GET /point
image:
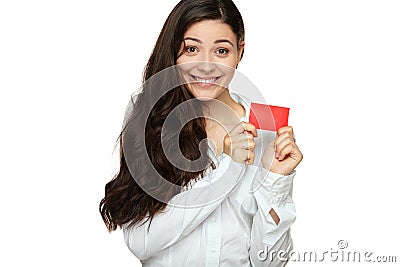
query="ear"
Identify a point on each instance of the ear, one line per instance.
(240, 54)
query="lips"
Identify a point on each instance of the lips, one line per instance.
(206, 80)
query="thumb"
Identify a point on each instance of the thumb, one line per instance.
(244, 126)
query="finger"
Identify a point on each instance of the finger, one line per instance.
(243, 140)
(244, 156)
(238, 129)
(284, 137)
(250, 145)
(246, 145)
(291, 150)
(285, 129)
(242, 127)
(282, 152)
(281, 144)
(244, 137)
(250, 158)
(250, 128)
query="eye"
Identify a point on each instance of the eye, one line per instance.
(222, 51)
(191, 49)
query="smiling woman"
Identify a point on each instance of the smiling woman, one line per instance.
(204, 41)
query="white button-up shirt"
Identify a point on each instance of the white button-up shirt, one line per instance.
(223, 219)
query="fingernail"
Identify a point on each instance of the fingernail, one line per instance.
(276, 155)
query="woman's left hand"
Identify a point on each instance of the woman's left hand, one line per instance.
(282, 155)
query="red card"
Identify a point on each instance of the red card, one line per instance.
(267, 117)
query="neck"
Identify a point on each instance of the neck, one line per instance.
(224, 108)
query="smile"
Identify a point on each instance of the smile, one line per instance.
(204, 80)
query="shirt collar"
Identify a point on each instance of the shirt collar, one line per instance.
(244, 101)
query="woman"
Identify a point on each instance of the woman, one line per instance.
(188, 220)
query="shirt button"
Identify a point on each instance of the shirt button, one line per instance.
(213, 219)
(214, 250)
(274, 194)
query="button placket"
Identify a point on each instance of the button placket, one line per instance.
(214, 238)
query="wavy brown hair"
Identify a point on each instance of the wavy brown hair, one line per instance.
(125, 200)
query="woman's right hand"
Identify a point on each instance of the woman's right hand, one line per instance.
(239, 143)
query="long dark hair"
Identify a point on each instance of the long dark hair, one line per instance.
(125, 200)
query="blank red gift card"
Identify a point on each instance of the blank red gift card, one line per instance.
(267, 117)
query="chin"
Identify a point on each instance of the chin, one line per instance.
(206, 94)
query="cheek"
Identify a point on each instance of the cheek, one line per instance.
(231, 60)
(183, 66)
(181, 59)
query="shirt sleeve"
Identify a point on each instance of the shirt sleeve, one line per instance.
(184, 213)
(272, 191)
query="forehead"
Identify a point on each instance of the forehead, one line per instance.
(210, 30)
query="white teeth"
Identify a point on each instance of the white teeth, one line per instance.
(204, 80)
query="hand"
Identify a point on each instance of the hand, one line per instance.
(239, 143)
(282, 155)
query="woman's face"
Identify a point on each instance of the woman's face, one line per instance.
(209, 56)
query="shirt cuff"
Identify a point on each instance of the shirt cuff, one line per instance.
(280, 186)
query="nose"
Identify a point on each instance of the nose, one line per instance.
(206, 66)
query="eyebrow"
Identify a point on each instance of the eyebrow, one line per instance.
(216, 41)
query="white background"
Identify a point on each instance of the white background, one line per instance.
(67, 69)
